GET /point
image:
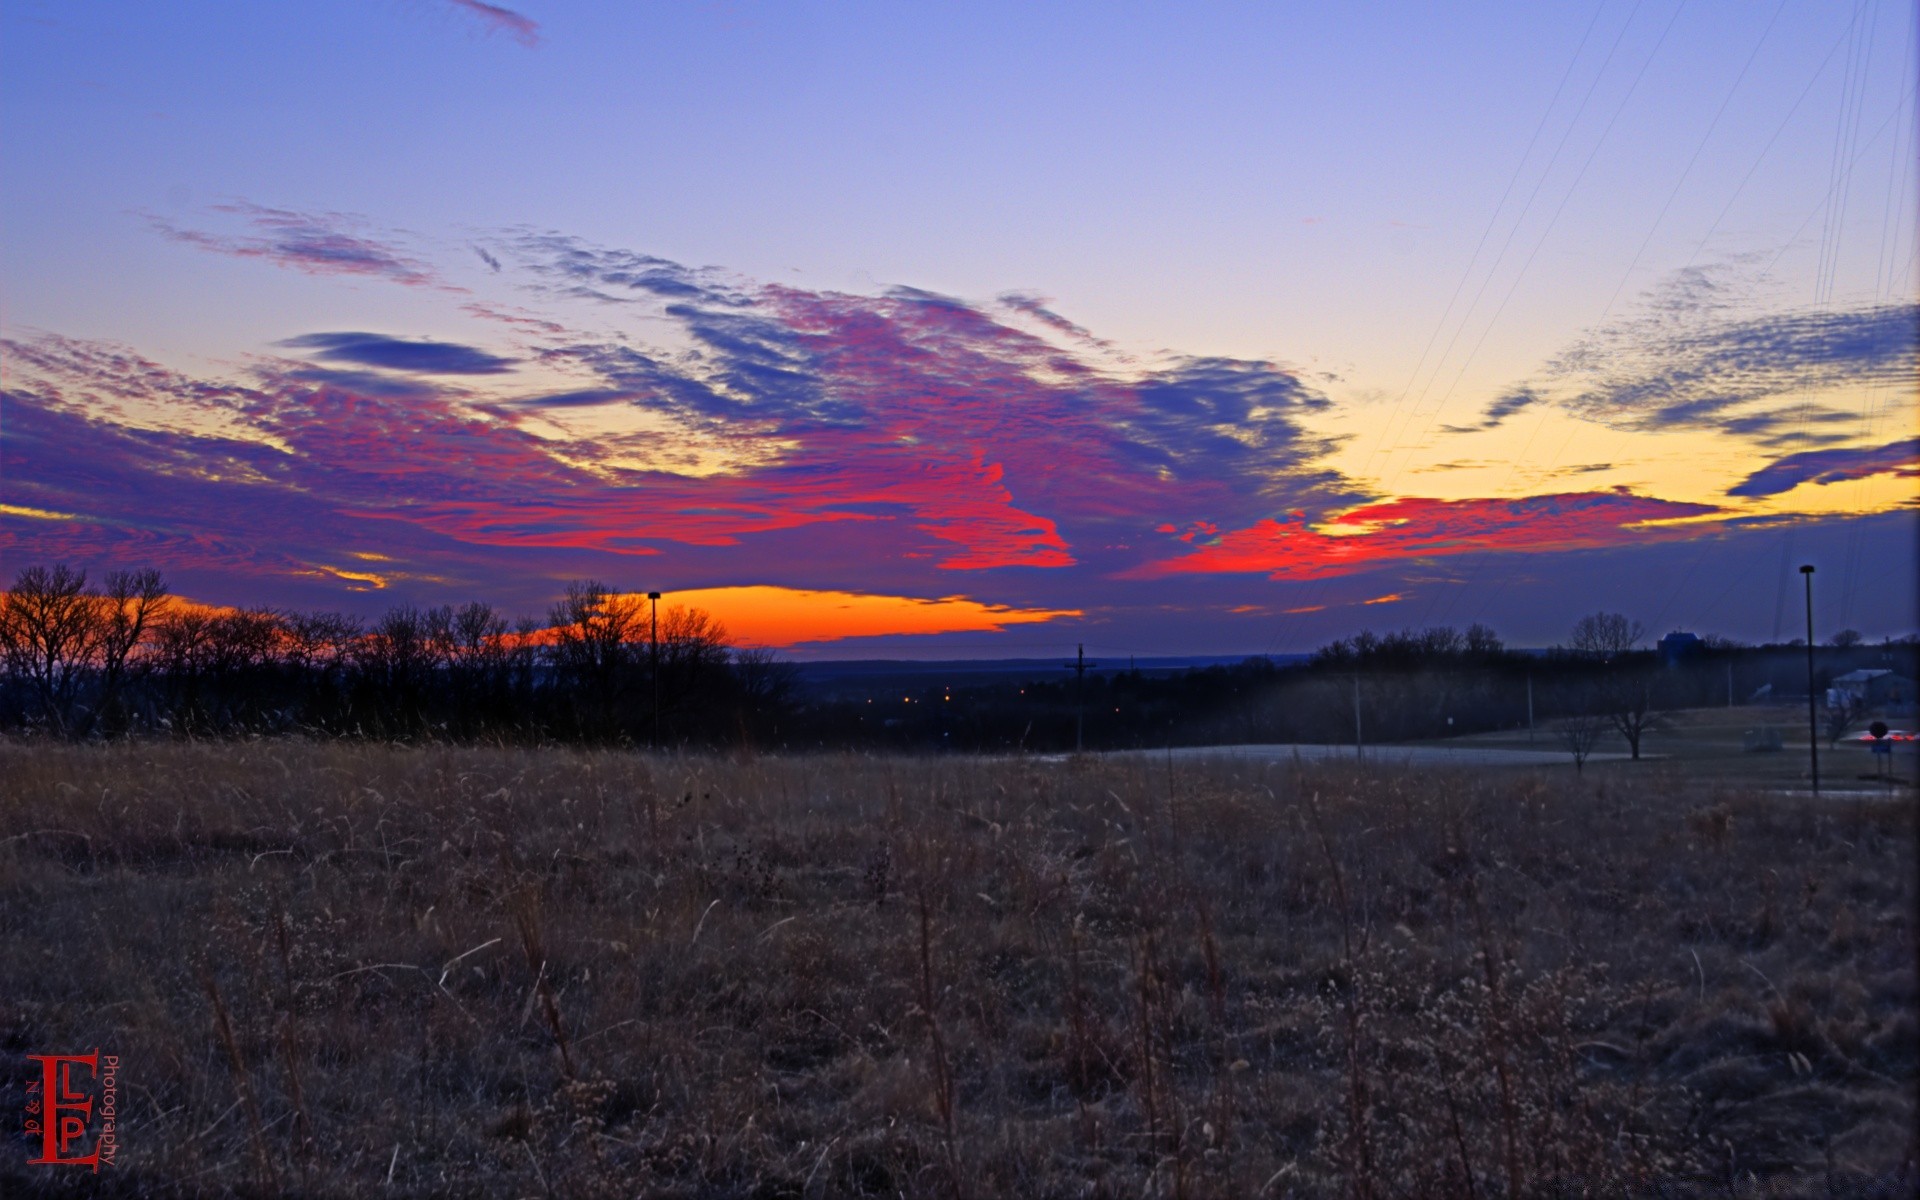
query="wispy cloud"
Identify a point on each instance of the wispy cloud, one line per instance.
(1831, 466)
(503, 20)
(1748, 377)
(314, 243)
(1697, 356)
(1513, 402)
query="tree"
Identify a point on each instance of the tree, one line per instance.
(1578, 735)
(594, 636)
(1627, 700)
(1842, 709)
(1483, 642)
(50, 633)
(210, 663)
(1846, 638)
(693, 661)
(132, 603)
(1624, 692)
(398, 658)
(1605, 636)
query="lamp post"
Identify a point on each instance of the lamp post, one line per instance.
(1813, 720)
(653, 598)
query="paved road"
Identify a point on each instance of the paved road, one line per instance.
(1419, 756)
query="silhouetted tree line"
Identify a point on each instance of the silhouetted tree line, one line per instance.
(125, 657)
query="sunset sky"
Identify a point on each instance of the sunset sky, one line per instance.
(947, 330)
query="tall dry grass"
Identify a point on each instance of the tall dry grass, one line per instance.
(355, 970)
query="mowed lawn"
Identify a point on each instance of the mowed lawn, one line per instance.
(346, 970)
(1710, 745)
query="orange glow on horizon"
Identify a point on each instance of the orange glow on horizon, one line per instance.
(765, 615)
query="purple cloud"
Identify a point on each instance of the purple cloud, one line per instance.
(808, 438)
(400, 354)
(504, 20)
(315, 243)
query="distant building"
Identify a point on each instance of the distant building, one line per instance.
(1876, 688)
(1678, 646)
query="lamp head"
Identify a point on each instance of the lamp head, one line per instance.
(656, 595)
(1806, 570)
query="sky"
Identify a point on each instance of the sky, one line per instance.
(980, 330)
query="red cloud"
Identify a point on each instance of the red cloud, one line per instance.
(1415, 527)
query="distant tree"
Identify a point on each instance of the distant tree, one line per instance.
(129, 607)
(1604, 636)
(1839, 713)
(397, 660)
(1482, 641)
(1578, 734)
(53, 630)
(477, 654)
(1624, 693)
(597, 636)
(693, 662)
(319, 649)
(1846, 638)
(212, 665)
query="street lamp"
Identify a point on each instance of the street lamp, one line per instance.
(654, 599)
(1813, 721)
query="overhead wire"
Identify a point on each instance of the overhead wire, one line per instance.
(1319, 590)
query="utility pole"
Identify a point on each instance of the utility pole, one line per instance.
(1079, 667)
(654, 599)
(1729, 683)
(1358, 750)
(1813, 720)
(1529, 708)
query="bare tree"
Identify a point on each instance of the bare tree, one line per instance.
(1604, 636)
(1483, 642)
(1846, 638)
(1625, 693)
(50, 633)
(693, 658)
(595, 631)
(1578, 735)
(1842, 709)
(132, 603)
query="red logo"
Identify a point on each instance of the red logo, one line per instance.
(73, 1107)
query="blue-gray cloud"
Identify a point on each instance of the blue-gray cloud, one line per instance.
(400, 354)
(1831, 466)
(1516, 400)
(575, 267)
(582, 398)
(1748, 376)
(1696, 355)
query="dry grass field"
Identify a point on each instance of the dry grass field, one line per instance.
(352, 970)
